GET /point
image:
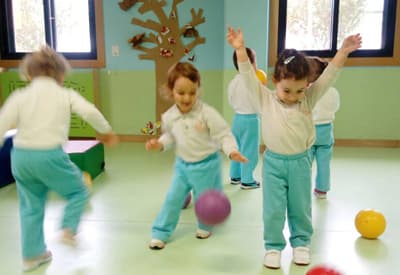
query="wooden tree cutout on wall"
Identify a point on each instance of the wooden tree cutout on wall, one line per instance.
(169, 39)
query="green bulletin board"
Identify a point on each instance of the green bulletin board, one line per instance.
(81, 82)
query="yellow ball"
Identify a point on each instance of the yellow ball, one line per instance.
(370, 223)
(262, 76)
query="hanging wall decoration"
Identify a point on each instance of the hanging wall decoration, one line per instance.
(127, 4)
(167, 42)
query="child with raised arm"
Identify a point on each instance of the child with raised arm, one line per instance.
(245, 127)
(323, 116)
(197, 131)
(41, 113)
(288, 133)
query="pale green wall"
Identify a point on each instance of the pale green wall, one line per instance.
(369, 103)
(128, 99)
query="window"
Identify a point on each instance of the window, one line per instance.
(318, 27)
(73, 28)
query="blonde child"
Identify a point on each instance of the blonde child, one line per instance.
(197, 131)
(245, 127)
(288, 133)
(41, 112)
(323, 116)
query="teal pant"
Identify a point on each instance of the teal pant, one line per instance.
(196, 176)
(286, 189)
(36, 172)
(245, 128)
(322, 151)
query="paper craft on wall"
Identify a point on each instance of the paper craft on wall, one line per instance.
(167, 42)
(127, 4)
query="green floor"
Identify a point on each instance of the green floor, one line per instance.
(115, 229)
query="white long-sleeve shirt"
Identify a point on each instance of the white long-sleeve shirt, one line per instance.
(197, 134)
(326, 107)
(241, 101)
(287, 129)
(41, 112)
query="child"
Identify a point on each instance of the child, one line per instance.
(197, 131)
(323, 116)
(41, 112)
(288, 134)
(245, 127)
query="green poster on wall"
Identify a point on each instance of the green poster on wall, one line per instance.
(81, 82)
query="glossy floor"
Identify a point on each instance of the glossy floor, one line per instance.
(115, 229)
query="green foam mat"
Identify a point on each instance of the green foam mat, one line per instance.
(88, 155)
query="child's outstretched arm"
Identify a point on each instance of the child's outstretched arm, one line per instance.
(236, 40)
(153, 144)
(109, 139)
(350, 44)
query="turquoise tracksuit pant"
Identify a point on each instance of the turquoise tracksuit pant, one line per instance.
(245, 128)
(36, 172)
(286, 190)
(196, 176)
(322, 151)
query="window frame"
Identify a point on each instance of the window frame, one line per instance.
(98, 60)
(361, 58)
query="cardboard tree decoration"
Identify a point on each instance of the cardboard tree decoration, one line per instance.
(168, 40)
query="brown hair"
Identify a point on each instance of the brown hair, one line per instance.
(45, 62)
(317, 66)
(291, 64)
(180, 69)
(251, 54)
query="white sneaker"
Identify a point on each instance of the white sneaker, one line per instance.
(29, 265)
(156, 244)
(272, 259)
(202, 234)
(320, 194)
(301, 255)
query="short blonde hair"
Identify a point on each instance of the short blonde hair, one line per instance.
(45, 62)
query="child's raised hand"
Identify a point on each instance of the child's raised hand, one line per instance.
(237, 156)
(351, 43)
(153, 144)
(235, 37)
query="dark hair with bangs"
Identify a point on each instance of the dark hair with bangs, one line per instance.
(291, 64)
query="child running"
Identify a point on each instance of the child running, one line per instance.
(41, 113)
(198, 132)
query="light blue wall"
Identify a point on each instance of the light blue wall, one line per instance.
(118, 29)
(252, 18)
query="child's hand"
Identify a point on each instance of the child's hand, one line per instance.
(351, 43)
(154, 144)
(109, 139)
(235, 38)
(237, 156)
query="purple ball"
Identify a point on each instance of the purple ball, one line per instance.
(187, 201)
(212, 207)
